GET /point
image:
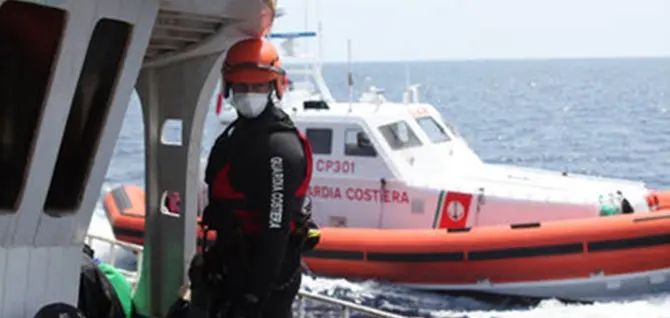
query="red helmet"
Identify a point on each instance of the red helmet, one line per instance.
(253, 61)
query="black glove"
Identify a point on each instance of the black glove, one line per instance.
(247, 306)
(88, 250)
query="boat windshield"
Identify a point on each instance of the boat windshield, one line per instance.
(452, 128)
(433, 129)
(399, 135)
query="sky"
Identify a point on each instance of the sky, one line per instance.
(405, 30)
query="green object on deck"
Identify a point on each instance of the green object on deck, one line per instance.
(608, 206)
(121, 286)
(607, 210)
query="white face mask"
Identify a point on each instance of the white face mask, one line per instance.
(250, 105)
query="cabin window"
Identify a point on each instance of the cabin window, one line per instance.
(321, 140)
(436, 133)
(452, 128)
(30, 36)
(399, 135)
(357, 143)
(88, 114)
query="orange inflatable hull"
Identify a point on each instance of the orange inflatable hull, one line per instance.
(502, 254)
(573, 249)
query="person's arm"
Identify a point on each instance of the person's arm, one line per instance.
(211, 214)
(281, 173)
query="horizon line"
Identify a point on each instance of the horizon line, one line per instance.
(500, 59)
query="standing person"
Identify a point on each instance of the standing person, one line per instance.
(258, 173)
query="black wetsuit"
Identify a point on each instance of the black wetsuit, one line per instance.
(257, 176)
(97, 296)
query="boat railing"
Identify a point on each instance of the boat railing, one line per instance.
(304, 300)
(346, 308)
(110, 257)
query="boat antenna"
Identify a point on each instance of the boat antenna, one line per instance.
(306, 21)
(350, 76)
(406, 98)
(319, 52)
(407, 75)
(306, 14)
(319, 36)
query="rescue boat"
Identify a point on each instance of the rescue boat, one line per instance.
(402, 198)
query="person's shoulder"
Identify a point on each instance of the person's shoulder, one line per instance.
(289, 134)
(285, 143)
